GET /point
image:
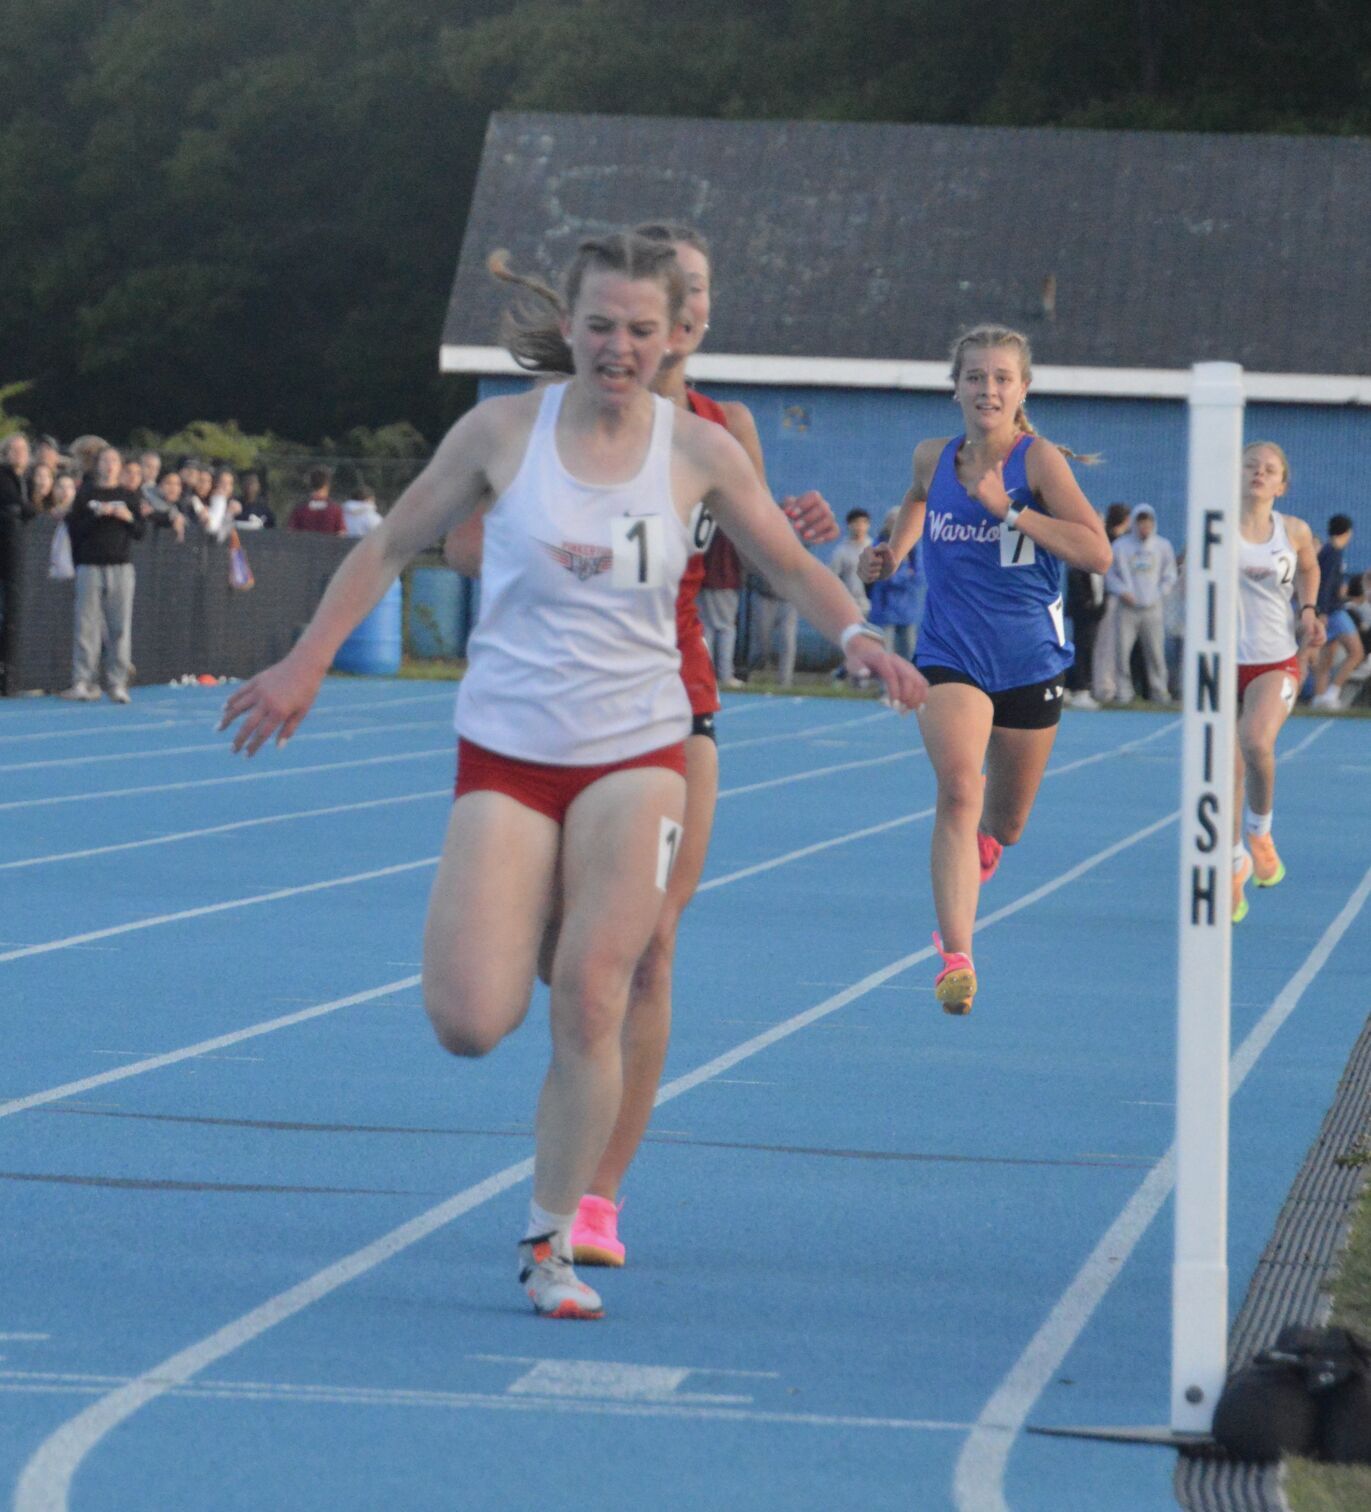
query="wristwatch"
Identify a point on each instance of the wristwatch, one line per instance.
(1011, 515)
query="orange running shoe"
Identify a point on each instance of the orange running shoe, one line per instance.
(1267, 866)
(955, 985)
(595, 1234)
(1242, 870)
(990, 850)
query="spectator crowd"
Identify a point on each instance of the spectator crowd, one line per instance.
(106, 499)
(1127, 623)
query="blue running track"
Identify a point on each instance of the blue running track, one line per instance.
(259, 1230)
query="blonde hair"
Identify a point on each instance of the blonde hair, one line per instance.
(1285, 461)
(988, 335)
(531, 330)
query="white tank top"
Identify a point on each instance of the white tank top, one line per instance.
(573, 660)
(1266, 582)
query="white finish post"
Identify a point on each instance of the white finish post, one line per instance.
(1199, 1316)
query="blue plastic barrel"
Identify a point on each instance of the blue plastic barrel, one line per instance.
(374, 646)
(435, 612)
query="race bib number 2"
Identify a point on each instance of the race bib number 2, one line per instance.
(639, 546)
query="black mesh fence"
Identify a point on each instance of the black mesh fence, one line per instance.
(186, 617)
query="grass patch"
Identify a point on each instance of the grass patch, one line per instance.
(1310, 1485)
(436, 669)
(1313, 1487)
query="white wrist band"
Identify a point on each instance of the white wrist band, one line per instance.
(859, 628)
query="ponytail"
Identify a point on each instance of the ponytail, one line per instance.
(531, 332)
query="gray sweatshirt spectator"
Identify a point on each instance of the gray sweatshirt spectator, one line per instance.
(846, 555)
(1142, 574)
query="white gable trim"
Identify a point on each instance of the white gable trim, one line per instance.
(878, 373)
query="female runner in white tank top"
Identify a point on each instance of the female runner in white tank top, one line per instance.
(574, 682)
(1276, 562)
(595, 1236)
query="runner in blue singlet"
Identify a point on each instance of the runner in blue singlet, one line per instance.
(998, 511)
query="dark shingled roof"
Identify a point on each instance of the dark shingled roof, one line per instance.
(881, 241)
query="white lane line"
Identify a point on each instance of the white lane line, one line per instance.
(45, 947)
(224, 829)
(831, 727)
(104, 729)
(266, 774)
(221, 745)
(756, 702)
(978, 1482)
(204, 1047)
(925, 813)
(842, 766)
(443, 792)
(1308, 740)
(117, 724)
(47, 1477)
(39, 1382)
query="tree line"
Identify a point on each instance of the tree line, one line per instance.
(251, 209)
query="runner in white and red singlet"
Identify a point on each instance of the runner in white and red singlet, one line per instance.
(647, 1026)
(572, 717)
(1277, 565)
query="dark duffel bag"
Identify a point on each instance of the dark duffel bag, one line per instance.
(1309, 1394)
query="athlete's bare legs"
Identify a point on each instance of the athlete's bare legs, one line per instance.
(1014, 767)
(647, 1026)
(486, 915)
(611, 852)
(955, 724)
(1265, 708)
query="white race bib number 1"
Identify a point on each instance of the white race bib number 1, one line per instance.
(639, 546)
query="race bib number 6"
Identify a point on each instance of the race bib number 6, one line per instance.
(639, 547)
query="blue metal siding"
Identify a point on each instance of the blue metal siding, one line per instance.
(855, 446)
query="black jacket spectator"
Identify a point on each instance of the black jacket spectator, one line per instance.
(14, 494)
(15, 504)
(100, 540)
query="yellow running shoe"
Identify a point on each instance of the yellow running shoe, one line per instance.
(955, 985)
(1267, 866)
(1242, 870)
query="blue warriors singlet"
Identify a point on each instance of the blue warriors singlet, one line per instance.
(994, 608)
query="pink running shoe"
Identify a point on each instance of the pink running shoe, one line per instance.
(595, 1234)
(955, 985)
(990, 850)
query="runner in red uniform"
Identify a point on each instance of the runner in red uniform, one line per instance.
(647, 1026)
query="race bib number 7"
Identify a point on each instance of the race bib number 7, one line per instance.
(1016, 549)
(639, 546)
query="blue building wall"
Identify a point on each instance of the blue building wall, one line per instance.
(855, 446)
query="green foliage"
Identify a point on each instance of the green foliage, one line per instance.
(215, 441)
(399, 440)
(240, 207)
(11, 423)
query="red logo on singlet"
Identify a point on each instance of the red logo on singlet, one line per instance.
(583, 561)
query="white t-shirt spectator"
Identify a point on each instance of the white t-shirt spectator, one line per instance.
(360, 516)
